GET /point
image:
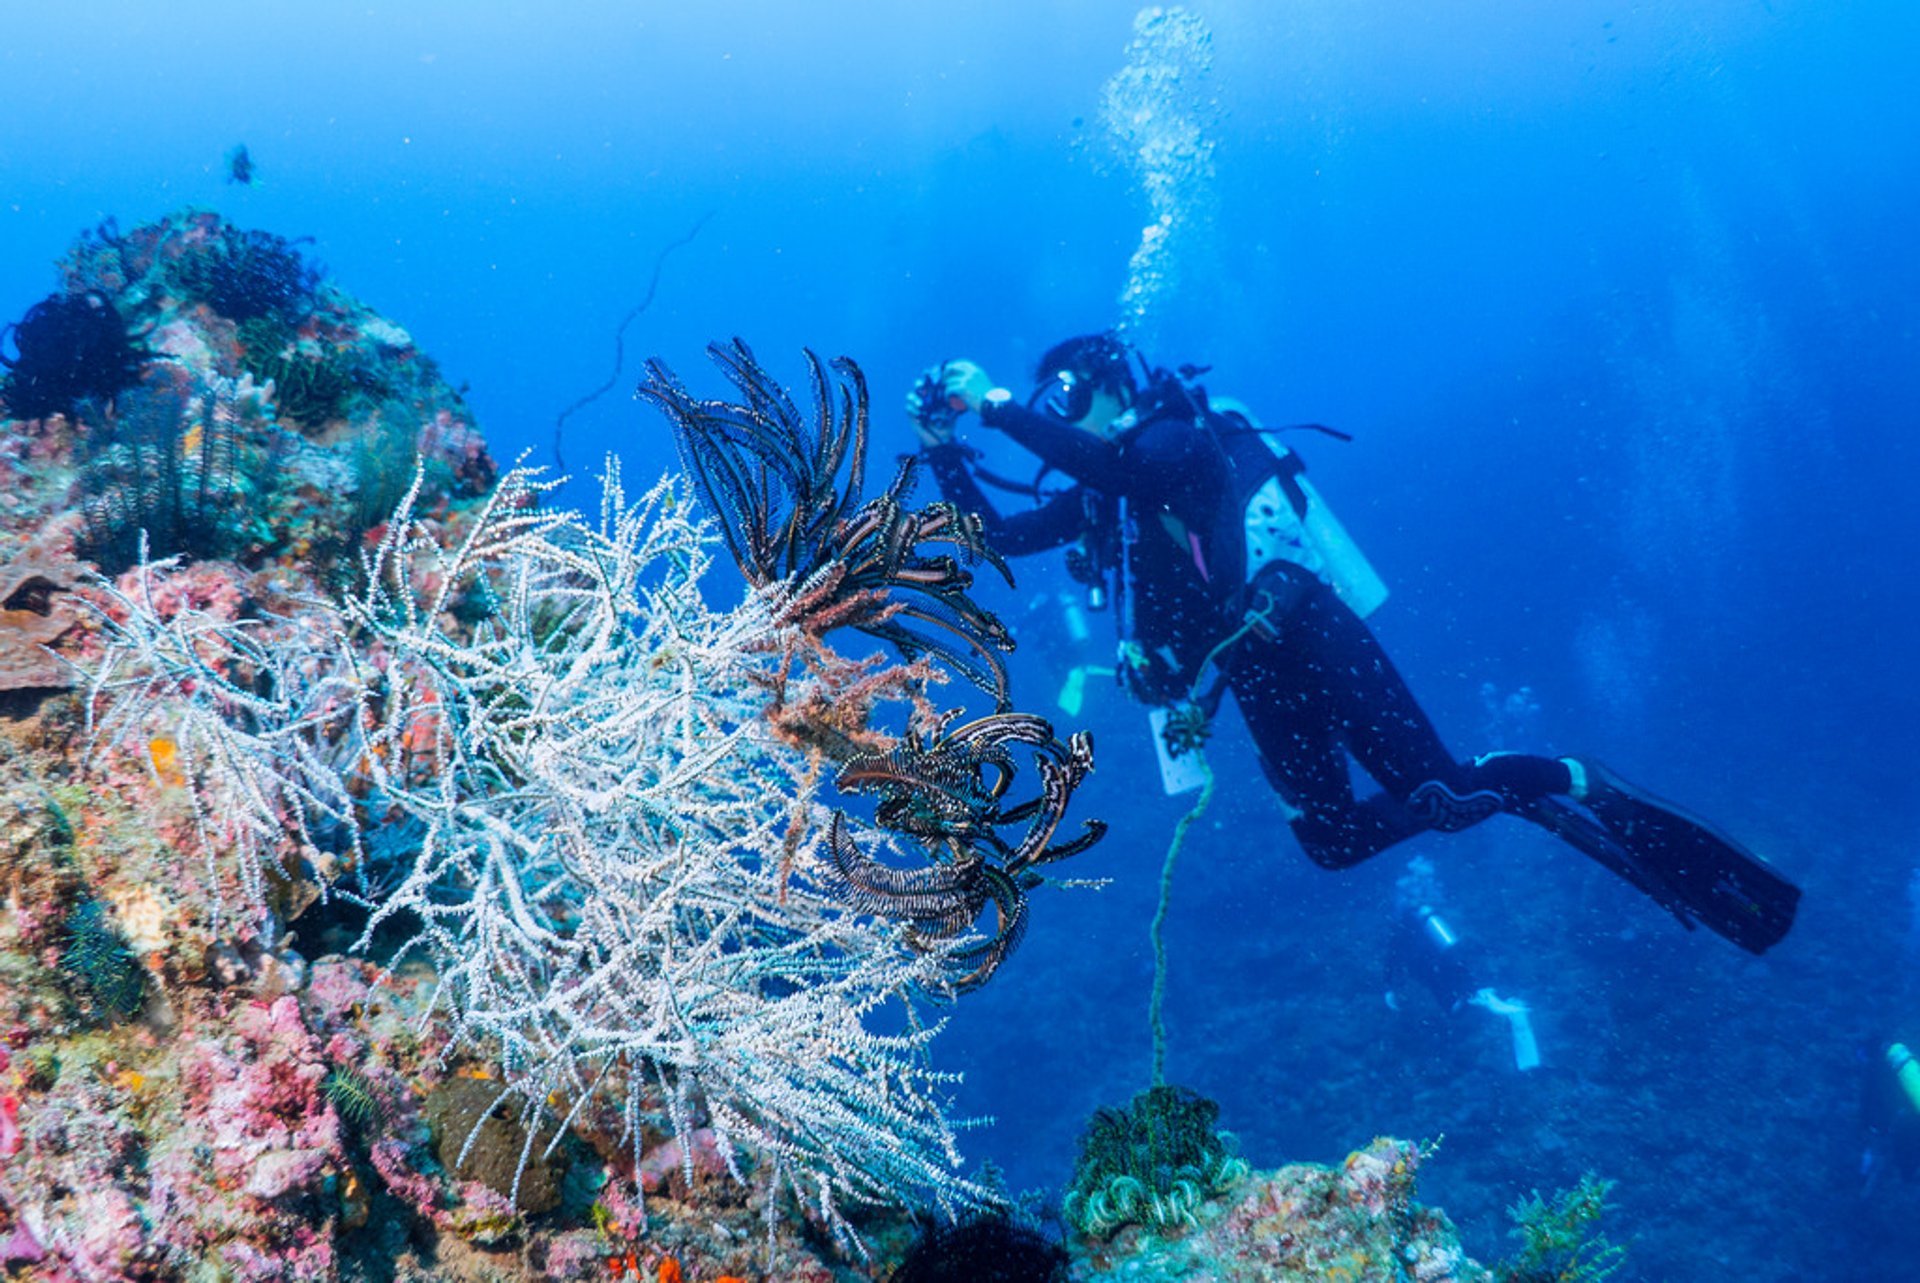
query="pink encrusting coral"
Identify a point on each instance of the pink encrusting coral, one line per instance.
(213, 1146)
(260, 1098)
(75, 1183)
(252, 1177)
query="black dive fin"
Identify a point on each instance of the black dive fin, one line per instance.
(1685, 864)
(1583, 833)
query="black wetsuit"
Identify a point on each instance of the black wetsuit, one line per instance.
(1416, 956)
(1312, 682)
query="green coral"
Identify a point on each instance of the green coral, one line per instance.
(1560, 1240)
(1153, 1163)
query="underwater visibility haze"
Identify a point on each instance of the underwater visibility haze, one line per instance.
(1611, 308)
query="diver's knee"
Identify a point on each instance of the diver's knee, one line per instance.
(1279, 589)
(1519, 777)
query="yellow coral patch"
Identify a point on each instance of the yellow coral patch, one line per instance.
(165, 755)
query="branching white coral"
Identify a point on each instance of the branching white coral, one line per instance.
(618, 876)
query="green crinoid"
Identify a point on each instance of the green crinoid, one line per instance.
(308, 390)
(353, 1098)
(1153, 1163)
(309, 387)
(98, 957)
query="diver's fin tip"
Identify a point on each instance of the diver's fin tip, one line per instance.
(1684, 863)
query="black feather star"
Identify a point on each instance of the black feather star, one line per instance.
(785, 488)
(949, 792)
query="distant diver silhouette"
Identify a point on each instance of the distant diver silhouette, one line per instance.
(620, 338)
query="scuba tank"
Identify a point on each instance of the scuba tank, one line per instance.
(1288, 520)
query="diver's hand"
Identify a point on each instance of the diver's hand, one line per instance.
(930, 409)
(966, 382)
(933, 432)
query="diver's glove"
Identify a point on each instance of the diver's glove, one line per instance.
(966, 383)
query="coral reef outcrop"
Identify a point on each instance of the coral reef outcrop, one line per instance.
(1356, 1222)
(493, 916)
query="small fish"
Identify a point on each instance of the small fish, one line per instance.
(240, 166)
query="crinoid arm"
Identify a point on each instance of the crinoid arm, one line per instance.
(785, 490)
(930, 893)
(948, 791)
(973, 964)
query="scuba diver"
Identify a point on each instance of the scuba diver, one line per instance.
(1424, 949)
(1889, 1115)
(1226, 573)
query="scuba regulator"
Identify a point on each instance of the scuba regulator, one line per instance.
(1084, 569)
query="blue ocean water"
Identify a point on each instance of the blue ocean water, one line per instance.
(1616, 300)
